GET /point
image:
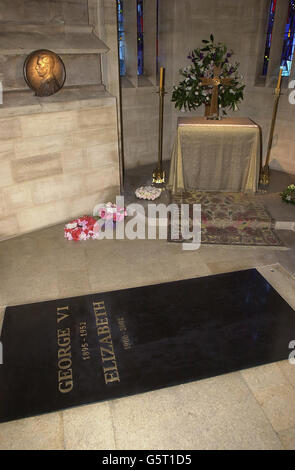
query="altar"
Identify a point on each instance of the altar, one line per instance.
(213, 155)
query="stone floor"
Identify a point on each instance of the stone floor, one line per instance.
(251, 409)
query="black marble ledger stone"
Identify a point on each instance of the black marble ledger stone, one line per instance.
(69, 352)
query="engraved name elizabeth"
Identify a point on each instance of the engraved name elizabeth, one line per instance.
(105, 347)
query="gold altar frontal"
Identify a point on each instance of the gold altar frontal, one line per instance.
(220, 155)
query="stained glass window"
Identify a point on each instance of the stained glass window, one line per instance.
(121, 37)
(288, 40)
(157, 39)
(140, 63)
(271, 18)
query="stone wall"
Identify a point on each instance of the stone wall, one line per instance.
(56, 166)
(140, 100)
(59, 155)
(141, 126)
(104, 14)
(44, 12)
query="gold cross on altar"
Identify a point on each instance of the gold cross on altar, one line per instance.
(215, 81)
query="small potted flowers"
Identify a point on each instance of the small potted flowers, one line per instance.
(289, 194)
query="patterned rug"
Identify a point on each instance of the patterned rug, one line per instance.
(228, 219)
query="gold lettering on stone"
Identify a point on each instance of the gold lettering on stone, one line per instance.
(61, 315)
(64, 354)
(107, 353)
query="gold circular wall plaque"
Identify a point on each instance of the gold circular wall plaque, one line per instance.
(44, 72)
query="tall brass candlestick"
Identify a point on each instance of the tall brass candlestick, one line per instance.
(264, 175)
(159, 174)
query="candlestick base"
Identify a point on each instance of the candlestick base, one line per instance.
(159, 176)
(264, 178)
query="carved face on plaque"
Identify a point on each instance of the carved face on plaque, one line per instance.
(44, 72)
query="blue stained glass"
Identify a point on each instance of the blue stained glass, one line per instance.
(289, 41)
(121, 37)
(271, 18)
(140, 42)
(157, 39)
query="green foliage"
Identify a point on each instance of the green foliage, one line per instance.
(289, 194)
(191, 93)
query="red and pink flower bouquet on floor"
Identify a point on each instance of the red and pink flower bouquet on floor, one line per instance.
(110, 212)
(82, 228)
(86, 227)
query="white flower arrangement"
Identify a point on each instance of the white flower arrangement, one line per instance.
(148, 192)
